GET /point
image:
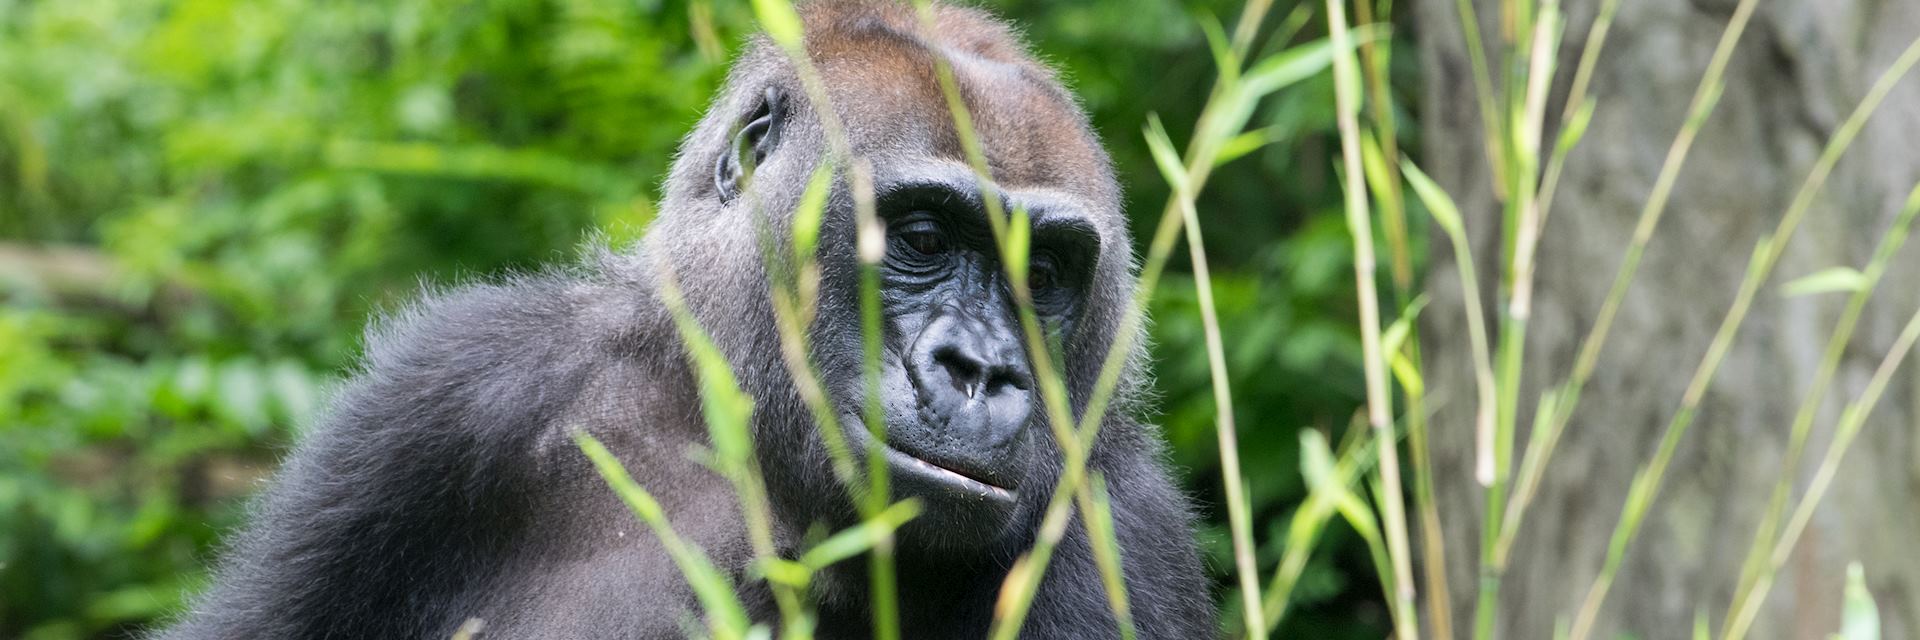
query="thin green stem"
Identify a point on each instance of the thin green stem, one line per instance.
(1576, 103)
(1375, 58)
(1705, 96)
(1522, 144)
(1483, 92)
(1765, 257)
(1745, 601)
(784, 26)
(1851, 421)
(1379, 400)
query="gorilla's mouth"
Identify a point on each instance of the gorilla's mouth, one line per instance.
(946, 476)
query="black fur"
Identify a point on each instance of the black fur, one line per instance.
(441, 484)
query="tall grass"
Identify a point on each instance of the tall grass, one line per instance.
(1360, 481)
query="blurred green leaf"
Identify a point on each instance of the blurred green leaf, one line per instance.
(1859, 617)
(1830, 280)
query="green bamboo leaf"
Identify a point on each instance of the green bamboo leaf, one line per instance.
(1439, 204)
(1859, 618)
(858, 539)
(1831, 280)
(1107, 550)
(726, 618)
(724, 406)
(1346, 80)
(782, 571)
(812, 209)
(1317, 466)
(1302, 61)
(1407, 374)
(1223, 60)
(1373, 166)
(1164, 156)
(1238, 146)
(1576, 127)
(781, 22)
(1019, 236)
(1396, 334)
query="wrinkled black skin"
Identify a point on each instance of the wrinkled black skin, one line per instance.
(442, 483)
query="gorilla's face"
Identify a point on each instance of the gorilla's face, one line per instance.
(965, 431)
(961, 402)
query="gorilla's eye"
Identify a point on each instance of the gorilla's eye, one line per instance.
(1042, 274)
(923, 236)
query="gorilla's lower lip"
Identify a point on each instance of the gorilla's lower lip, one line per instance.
(943, 475)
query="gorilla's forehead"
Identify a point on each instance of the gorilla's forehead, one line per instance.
(883, 80)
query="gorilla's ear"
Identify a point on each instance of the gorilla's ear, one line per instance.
(759, 132)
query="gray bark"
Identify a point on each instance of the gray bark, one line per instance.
(1801, 68)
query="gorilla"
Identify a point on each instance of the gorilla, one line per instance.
(443, 482)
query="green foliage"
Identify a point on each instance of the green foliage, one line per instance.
(203, 202)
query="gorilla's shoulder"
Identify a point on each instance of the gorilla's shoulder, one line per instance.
(494, 360)
(481, 325)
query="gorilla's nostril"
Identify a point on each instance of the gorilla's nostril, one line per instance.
(962, 371)
(1002, 377)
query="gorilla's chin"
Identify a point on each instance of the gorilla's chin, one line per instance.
(960, 507)
(955, 510)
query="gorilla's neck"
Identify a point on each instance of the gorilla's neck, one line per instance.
(940, 595)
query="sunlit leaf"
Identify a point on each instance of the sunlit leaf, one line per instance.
(1575, 127)
(726, 616)
(1164, 155)
(781, 22)
(858, 539)
(1831, 280)
(1860, 617)
(1439, 204)
(812, 208)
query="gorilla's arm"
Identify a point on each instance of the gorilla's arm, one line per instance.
(400, 504)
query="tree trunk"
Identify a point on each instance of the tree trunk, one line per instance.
(1799, 71)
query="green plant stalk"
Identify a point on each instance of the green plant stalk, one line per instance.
(1375, 57)
(1201, 154)
(1851, 421)
(727, 412)
(1439, 598)
(1239, 520)
(1447, 216)
(1483, 92)
(1705, 97)
(794, 306)
(1738, 616)
(1532, 467)
(1523, 217)
(783, 25)
(881, 574)
(1765, 257)
(726, 618)
(1011, 611)
(1202, 150)
(793, 309)
(1309, 520)
(1379, 400)
(1433, 545)
(1576, 102)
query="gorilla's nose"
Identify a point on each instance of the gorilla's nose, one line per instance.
(972, 377)
(973, 372)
